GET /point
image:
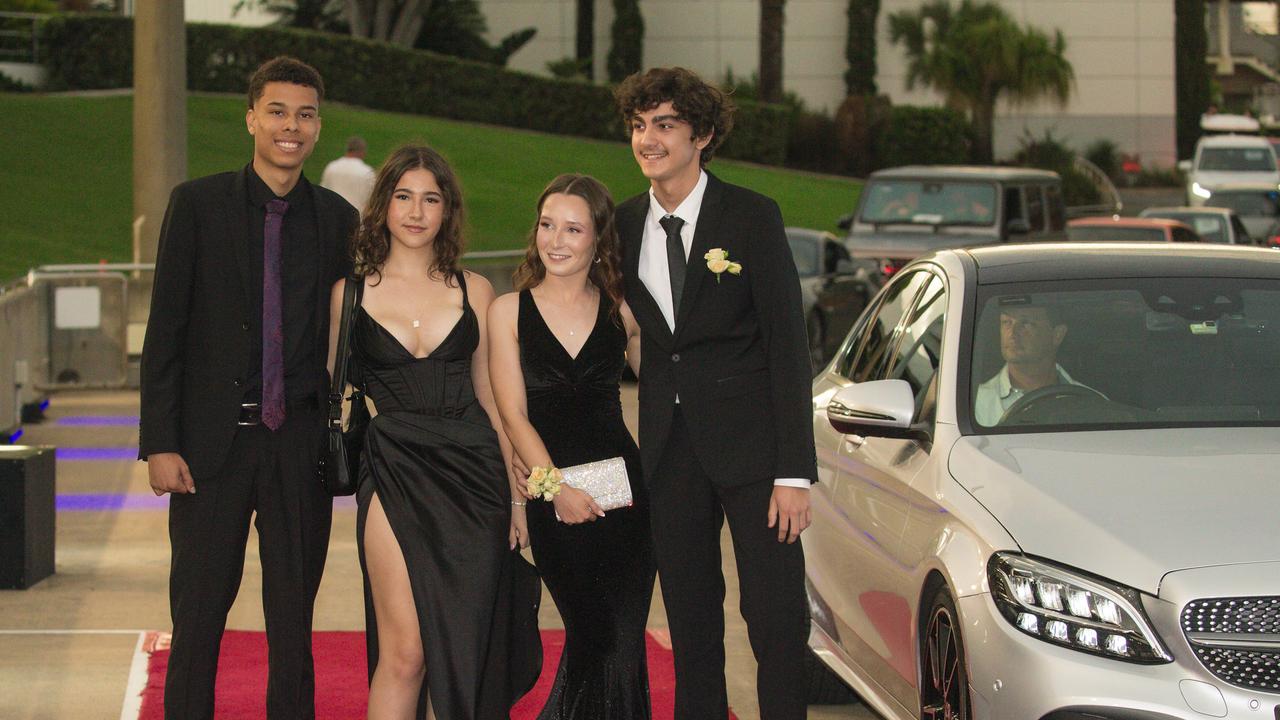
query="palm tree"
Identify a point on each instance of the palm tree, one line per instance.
(772, 19)
(976, 55)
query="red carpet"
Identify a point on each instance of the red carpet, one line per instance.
(341, 687)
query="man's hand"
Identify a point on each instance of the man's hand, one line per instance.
(520, 473)
(168, 473)
(789, 512)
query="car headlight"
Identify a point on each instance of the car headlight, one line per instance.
(1070, 609)
(1200, 191)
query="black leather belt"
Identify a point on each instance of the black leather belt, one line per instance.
(250, 414)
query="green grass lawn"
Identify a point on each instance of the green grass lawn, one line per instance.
(66, 172)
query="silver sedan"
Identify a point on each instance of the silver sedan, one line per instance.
(1048, 487)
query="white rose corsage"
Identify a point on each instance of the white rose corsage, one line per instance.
(544, 482)
(718, 262)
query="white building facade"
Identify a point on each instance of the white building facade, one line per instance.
(1122, 52)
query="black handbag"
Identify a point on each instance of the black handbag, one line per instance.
(340, 462)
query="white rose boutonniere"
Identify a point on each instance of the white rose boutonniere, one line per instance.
(718, 262)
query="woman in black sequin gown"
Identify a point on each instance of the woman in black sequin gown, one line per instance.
(557, 351)
(442, 607)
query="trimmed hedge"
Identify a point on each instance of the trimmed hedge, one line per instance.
(923, 136)
(92, 52)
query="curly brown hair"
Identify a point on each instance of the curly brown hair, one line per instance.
(605, 272)
(284, 69)
(372, 240)
(704, 106)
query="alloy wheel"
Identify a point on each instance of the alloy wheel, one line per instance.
(944, 692)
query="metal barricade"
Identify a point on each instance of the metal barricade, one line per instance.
(24, 351)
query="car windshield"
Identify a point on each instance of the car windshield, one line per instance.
(1239, 159)
(928, 202)
(1210, 228)
(1114, 354)
(1265, 203)
(1107, 233)
(805, 252)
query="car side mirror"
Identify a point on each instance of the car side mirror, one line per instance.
(1018, 226)
(845, 222)
(879, 408)
(1184, 166)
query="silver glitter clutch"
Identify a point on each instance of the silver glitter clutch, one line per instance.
(604, 480)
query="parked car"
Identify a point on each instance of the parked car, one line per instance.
(1257, 204)
(1129, 229)
(1212, 224)
(1228, 159)
(833, 288)
(1103, 547)
(908, 211)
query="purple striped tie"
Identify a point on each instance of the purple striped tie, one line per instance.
(272, 325)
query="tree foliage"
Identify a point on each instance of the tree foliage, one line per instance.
(860, 47)
(772, 23)
(1191, 47)
(975, 55)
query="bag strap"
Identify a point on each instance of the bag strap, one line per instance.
(352, 291)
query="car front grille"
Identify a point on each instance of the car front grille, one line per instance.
(1237, 639)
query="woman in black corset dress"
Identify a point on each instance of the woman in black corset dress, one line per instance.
(557, 350)
(434, 495)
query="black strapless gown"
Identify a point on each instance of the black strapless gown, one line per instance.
(600, 573)
(433, 459)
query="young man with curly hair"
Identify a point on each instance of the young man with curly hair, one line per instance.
(233, 391)
(725, 421)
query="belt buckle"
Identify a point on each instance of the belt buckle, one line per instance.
(250, 414)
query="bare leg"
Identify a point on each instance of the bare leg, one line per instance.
(401, 670)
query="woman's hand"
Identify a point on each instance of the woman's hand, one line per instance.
(575, 506)
(519, 474)
(518, 534)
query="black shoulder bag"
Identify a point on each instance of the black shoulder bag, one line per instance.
(340, 462)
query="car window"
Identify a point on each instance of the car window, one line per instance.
(1184, 235)
(1105, 233)
(1210, 228)
(805, 252)
(1242, 234)
(929, 202)
(867, 354)
(1239, 159)
(1035, 208)
(1132, 352)
(1057, 208)
(919, 347)
(1013, 204)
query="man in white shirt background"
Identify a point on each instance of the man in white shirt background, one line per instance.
(1029, 338)
(350, 176)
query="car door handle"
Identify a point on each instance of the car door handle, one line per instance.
(853, 442)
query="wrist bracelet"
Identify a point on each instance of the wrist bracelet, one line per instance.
(519, 504)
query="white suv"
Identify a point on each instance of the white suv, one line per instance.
(1228, 159)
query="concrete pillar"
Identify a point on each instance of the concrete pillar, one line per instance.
(1225, 64)
(159, 116)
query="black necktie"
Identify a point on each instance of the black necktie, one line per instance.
(675, 259)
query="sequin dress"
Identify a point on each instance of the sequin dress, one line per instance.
(600, 574)
(433, 459)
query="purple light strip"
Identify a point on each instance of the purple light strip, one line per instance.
(110, 502)
(98, 453)
(99, 420)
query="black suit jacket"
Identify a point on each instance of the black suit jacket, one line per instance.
(738, 357)
(197, 343)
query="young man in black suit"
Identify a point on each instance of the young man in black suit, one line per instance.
(233, 392)
(725, 419)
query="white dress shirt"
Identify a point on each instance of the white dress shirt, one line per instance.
(998, 394)
(351, 178)
(655, 271)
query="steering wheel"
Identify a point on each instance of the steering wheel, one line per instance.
(1025, 404)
